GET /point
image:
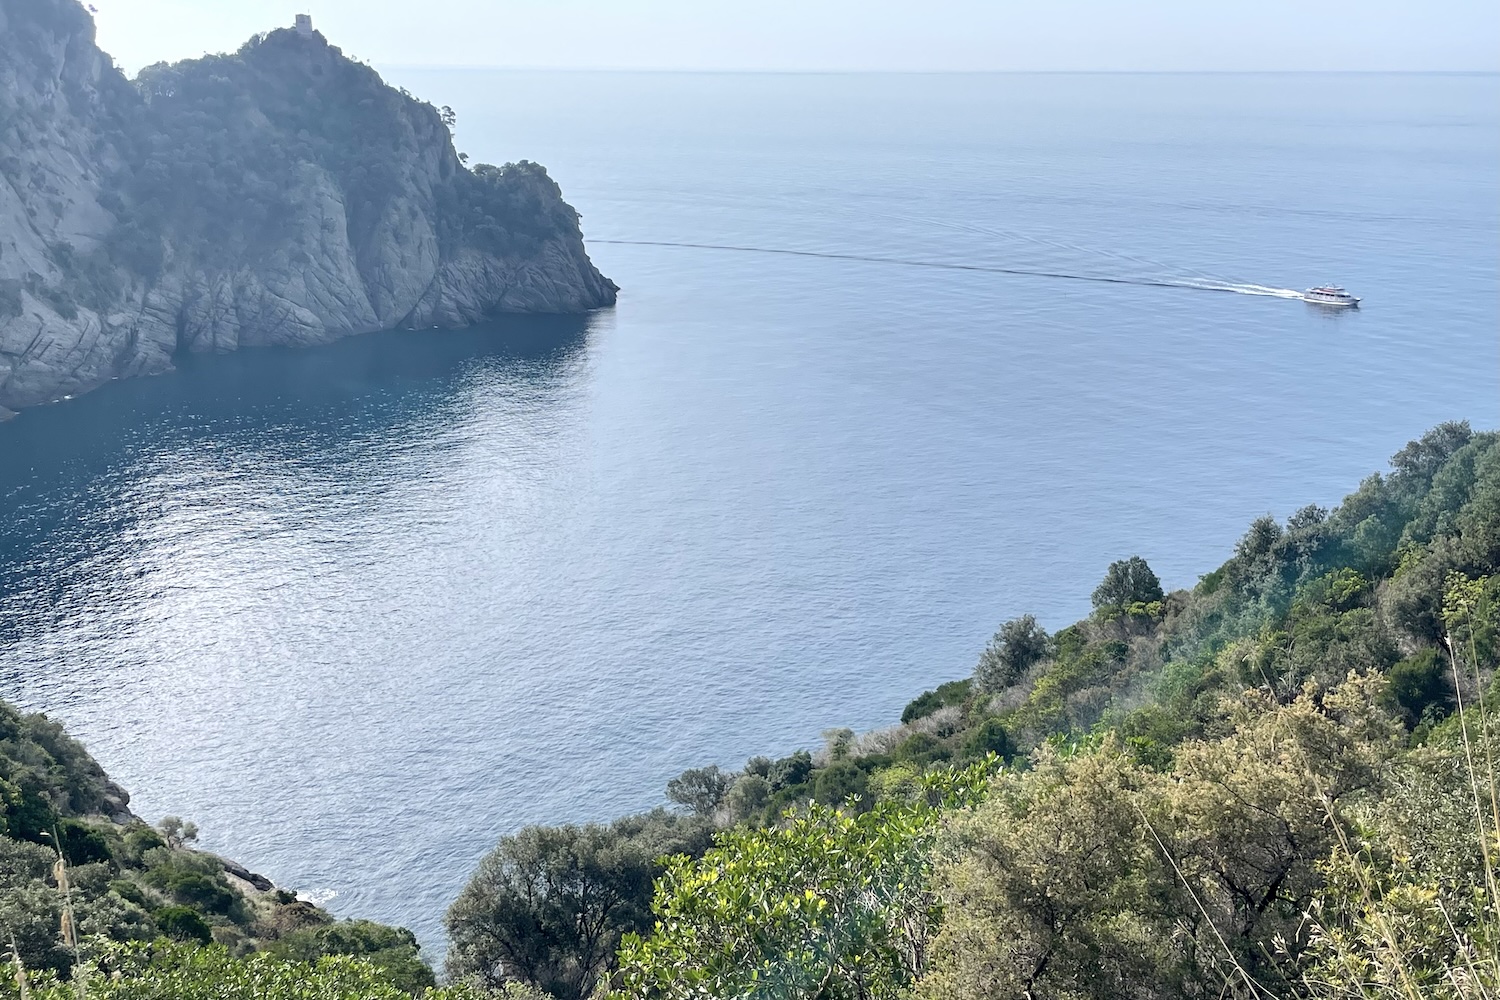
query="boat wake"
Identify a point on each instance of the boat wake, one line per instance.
(1202, 284)
(1240, 288)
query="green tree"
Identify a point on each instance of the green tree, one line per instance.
(1018, 646)
(1126, 582)
(549, 905)
(700, 789)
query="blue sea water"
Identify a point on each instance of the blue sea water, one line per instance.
(361, 610)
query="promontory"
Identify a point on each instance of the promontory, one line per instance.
(279, 195)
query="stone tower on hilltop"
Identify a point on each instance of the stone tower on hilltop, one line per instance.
(303, 25)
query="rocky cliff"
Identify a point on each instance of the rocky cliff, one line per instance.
(279, 195)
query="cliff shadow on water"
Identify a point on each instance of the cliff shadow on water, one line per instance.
(301, 419)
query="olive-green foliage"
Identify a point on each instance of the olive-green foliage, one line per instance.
(165, 971)
(990, 736)
(1126, 582)
(1410, 905)
(791, 771)
(126, 882)
(700, 789)
(182, 923)
(920, 748)
(549, 905)
(393, 949)
(839, 782)
(191, 879)
(747, 797)
(1020, 644)
(29, 907)
(1090, 875)
(1420, 687)
(1212, 804)
(81, 843)
(828, 904)
(46, 775)
(950, 693)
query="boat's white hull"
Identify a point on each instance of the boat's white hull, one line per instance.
(1349, 303)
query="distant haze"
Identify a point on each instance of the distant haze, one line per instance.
(839, 35)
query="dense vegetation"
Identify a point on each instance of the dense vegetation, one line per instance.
(1277, 784)
(80, 877)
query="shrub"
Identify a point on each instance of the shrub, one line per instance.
(839, 782)
(951, 693)
(1420, 687)
(1019, 645)
(81, 843)
(791, 771)
(182, 923)
(990, 736)
(392, 949)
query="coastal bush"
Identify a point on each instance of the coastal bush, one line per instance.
(928, 702)
(1126, 582)
(182, 923)
(989, 737)
(81, 842)
(791, 771)
(1420, 688)
(1018, 646)
(747, 797)
(839, 782)
(549, 905)
(828, 904)
(190, 879)
(124, 881)
(394, 950)
(50, 773)
(700, 790)
(179, 971)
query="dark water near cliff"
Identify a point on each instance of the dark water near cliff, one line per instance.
(361, 610)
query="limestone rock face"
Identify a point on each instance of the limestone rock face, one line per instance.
(279, 196)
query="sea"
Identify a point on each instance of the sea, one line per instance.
(896, 358)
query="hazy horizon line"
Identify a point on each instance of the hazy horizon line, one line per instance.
(940, 72)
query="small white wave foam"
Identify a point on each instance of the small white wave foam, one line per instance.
(317, 897)
(1243, 288)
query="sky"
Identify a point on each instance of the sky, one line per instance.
(838, 35)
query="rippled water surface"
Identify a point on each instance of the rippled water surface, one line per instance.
(360, 610)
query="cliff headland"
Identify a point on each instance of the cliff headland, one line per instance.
(279, 195)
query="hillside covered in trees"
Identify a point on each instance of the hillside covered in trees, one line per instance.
(1279, 784)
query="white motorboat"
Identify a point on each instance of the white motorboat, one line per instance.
(1330, 295)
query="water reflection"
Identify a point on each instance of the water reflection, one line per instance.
(105, 494)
